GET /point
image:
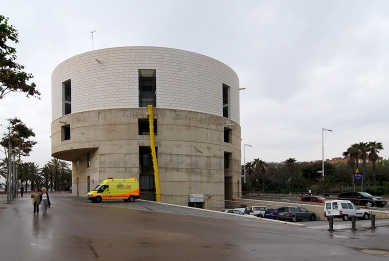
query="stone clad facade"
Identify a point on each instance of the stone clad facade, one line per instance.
(99, 118)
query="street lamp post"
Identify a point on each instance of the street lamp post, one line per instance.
(244, 162)
(322, 150)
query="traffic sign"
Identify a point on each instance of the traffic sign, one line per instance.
(358, 176)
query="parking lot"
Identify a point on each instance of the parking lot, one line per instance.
(174, 209)
(76, 229)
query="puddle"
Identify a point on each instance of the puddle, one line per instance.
(375, 252)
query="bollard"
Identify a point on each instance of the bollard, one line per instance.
(372, 218)
(353, 219)
(330, 223)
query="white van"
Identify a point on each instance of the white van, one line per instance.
(344, 209)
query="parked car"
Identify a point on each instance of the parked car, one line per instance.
(361, 213)
(363, 198)
(313, 199)
(243, 210)
(295, 213)
(234, 211)
(255, 211)
(344, 209)
(270, 213)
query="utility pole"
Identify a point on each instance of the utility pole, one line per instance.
(93, 46)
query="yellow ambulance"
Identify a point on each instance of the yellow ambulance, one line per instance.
(115, 189)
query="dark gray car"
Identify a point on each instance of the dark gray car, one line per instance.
(363, 198)
(295, 213)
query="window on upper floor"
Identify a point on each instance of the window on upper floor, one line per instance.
(147, 88)
(226, 101)
(67, 97)
(144, 128)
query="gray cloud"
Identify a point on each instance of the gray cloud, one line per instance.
(305, 64)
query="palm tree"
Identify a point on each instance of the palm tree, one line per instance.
(29, 171)
(260, 167)
(61, 171)
(363, 149)
(249, 169)
(374, 148)
(54, 167)
(64, 171)
(325, 183)
(290, 166)
(352, 155)
(45, 174)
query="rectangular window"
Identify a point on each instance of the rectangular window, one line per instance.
(226, 101)
(65, 132)
(88, 160)
(147, 88)
(227, 158)
(67, 97)
(144, 126)
(227, 135)
(145, 157)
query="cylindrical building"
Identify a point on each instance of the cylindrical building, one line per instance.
(100, 122)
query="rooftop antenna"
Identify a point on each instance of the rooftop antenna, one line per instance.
(93, 47)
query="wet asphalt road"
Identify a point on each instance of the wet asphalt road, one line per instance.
(75, 229)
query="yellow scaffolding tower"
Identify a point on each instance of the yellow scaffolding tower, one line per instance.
(153, 154)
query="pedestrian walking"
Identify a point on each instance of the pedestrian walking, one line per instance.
(309, 192)
(45, 199)
(36, 199)
(21, 191)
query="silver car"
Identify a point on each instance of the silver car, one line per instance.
(255, 211)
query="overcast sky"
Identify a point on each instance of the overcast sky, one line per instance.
(306, 65)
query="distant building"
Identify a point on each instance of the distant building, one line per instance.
(345, 159)
(100, 122)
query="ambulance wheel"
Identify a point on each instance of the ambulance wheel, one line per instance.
(131, 199)
(98, 199)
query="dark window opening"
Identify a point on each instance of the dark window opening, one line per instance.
(227, 135)
(147, 88)
(195, 204)
(68, 108)
(146, 175)
(227, 158)
(145, 158)
(67, 93)
(87, 160)
(226, 100)
(144, 127)
(65, 132)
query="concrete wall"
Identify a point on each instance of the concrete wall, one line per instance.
(190, 145)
